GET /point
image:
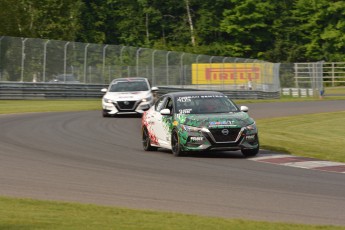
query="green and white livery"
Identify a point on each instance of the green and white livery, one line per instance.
(191, 121)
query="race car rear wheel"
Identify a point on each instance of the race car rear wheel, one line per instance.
(175, 144)
(147, 141)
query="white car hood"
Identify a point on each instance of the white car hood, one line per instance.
(127, 96)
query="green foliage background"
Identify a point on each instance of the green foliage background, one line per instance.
(273, 30)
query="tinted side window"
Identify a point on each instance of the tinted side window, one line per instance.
(159, 104)
(169, 105)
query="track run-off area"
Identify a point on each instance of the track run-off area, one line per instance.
(83, 157)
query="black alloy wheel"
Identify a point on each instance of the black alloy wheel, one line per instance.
(175, 144)
(250, 152)
(147, 141)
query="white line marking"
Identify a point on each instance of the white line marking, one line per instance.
(312, 164)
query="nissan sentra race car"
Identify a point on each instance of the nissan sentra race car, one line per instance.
(127, 96)
(199, 121)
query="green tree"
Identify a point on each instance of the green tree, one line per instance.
(10, 18)
(333, 34)
(321, 27)
(207, 16)
(248, 27)
(51, 19)
(93, 22)
(284, 47)
(126, 22)
(274, 30)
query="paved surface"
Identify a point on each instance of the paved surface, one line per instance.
(82, 157)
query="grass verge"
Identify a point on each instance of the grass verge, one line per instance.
(335, 90)
(27, 106)
(319, 135)
(32, 214)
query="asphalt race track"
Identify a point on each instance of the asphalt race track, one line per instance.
(83, 157)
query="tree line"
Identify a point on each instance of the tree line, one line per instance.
(270, 30)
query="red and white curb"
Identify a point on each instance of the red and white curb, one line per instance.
(301, 162)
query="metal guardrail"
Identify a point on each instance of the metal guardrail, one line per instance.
(30, 90)
(233, 94)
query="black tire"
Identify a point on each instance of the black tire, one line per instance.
(105, 114)
(175, 145)
(147, 141)
(250, 152)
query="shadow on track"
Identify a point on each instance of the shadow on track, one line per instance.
(207, 154)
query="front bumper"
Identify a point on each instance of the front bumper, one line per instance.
(126, 107)
(208, 140)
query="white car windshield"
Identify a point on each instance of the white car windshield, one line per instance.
(204, 104)
(129, 86)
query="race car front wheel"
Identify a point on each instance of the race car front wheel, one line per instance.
(147, 141)
(175, 145)
(105, 113)
(250, 152)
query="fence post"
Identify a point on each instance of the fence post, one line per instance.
(196, 71)
(296, 74)
(153, 67)
(85, 61)
(181, 71)
(223, 61)
(167, 66)
(65, 60)
(333, 74)
(103, 66)
(0, 59)
(23, 58)
(45, 59)
(137, 61)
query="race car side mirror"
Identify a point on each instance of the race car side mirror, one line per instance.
(244, 109)
(154, 89)
(165, 111)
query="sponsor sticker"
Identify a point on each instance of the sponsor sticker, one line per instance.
(184, 111)
(250, 137)
(184, 99)
(218, 123)
(195, 139)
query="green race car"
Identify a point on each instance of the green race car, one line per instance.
(199, 121)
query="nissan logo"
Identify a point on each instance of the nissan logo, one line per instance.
(126, 102)
(225, 131)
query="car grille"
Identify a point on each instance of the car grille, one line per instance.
(126, 105)
(219, 135)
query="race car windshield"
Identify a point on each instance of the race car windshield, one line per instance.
(129, 86)
(204, 104)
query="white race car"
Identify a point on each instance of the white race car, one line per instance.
(127, 96)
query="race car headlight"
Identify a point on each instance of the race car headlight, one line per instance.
(190, 128)
(251, 127)
(106, 100)
(149, 98)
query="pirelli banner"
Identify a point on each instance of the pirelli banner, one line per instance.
(232, 73)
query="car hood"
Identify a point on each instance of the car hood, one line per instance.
(234, 120)
(127, 96)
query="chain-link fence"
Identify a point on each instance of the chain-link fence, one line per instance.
(39, 60)
(302, 79)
